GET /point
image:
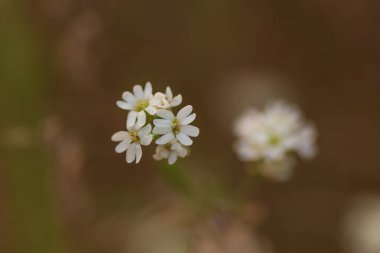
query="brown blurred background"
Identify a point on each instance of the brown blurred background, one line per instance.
(64, 63)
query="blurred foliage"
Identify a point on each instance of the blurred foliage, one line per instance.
(23, 78)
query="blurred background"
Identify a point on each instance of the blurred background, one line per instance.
(64, 63)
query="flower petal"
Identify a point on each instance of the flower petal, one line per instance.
(146, 140)
(151, 110)
(165, 114)
(184, 139)
(157, 157)
(148, 90)
(172, 158)
(165, 139)
(182, 153)
(131, 120)
(122, 146)
(129, 97)
(131, 153)
(138, 91)
(145, 130)
(189, 119)
(162, 123)
(141, 118)
(138, 153)
(169, 93)
(162, 130)
(119, 136)
(176, 147)
(177, 100)
(161, 151)
(184, 112)
(154, 101)
(190, 130)
(123, 105)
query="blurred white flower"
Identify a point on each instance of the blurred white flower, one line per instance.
(361, 226)
(170, 151)
(167, 100)
(271, 135)
(132, 140)
(138, 103)
(176, 127)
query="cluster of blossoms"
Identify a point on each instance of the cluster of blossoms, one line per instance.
(271, 137)
(150, 119)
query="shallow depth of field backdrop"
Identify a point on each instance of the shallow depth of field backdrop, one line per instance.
(64, 63)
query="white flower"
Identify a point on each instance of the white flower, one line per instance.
(132, 140)
(361, 225)
(167, 100)
(138, 103)
(274, 133)
(176, 127)
(170, 151)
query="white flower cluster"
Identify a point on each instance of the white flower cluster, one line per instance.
(272, 135)
(170, 132)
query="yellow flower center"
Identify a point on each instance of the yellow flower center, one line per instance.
(134, 136)
(141, 105)
(274, 140)
(176, 126)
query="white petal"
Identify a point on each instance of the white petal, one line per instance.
(135, 127)
(162, 123)
(177, 100)
(165, 114)
(141, 119)
(131, 153)
(169, 93)
(129, 97)
(145, 130)
(190, 130)
(148, 90)
(157, 157)
(184, 139)
(162, 130)
(182, 153)
(124, 105)
(165, 139)
(154, 101)
(184, 112)
(146, 140)
(119, 136)
(131, 120)
(138, 153)
(162, 151)
(138, 91)
(159, 95)
(172, 158)
(122, 146)
(151, 110)
(189, 119)
(176, 147)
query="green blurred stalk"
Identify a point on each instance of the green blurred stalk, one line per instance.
(176, 178)
(33, 227)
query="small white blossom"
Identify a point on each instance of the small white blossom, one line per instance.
(138, 103)
(170, 151)
(167, 100)
(272, 134)
(176, 127)
(132, 140)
